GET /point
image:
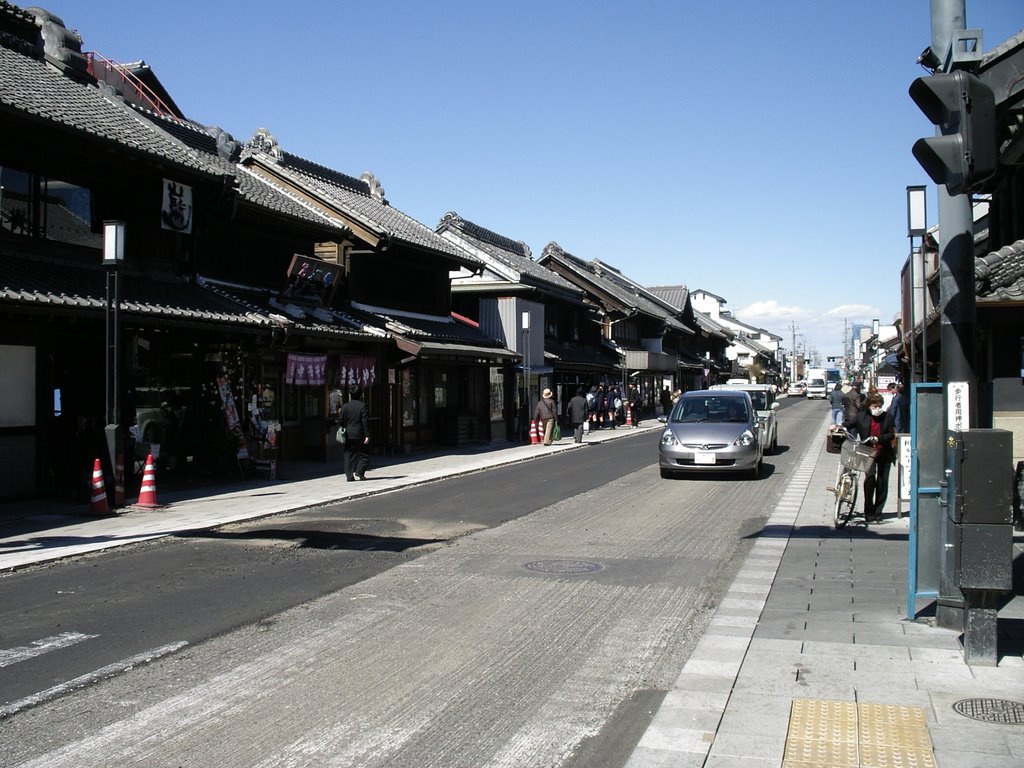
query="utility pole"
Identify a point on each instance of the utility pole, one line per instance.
(793, 328)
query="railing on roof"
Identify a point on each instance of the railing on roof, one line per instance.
(114, 74)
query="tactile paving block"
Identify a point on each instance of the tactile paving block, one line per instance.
(885, 756)
(801, 752)
(843, 734)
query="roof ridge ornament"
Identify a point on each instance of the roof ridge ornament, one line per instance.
(375, 188)
(263, 142)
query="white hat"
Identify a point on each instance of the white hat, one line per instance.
(546, 393)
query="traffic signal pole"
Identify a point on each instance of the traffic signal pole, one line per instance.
(957, 321)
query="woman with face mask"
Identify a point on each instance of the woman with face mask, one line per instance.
(874, 425)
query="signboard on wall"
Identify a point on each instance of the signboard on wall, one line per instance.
(176, 211)
(311, 281)
(17, 386)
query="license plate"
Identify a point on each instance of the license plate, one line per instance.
(704, 457)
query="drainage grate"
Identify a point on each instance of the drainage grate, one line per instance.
(992, 710)
(562, 566)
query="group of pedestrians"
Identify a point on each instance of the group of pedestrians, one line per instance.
(866, 419)
(595, 408)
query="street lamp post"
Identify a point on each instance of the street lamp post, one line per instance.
(917, 226)
(526, 363)
(113, 255)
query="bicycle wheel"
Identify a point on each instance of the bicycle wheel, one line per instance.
(846, 496)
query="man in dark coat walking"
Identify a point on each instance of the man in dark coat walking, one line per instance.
(355, 419)
(577, 413)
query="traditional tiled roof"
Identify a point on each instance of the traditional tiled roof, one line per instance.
(999, 275)
(612, 282)
(61, 287)
(323, 322)
(32, 90)
(221, 150)
(515, 255)
(360, 199)
(676, 295)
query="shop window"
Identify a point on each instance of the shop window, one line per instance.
(37, 206)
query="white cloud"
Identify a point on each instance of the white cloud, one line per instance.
(770, 309)
(855, 312)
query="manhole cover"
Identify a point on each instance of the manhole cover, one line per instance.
(992, 710)
(562, 566)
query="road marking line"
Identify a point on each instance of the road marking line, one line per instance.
(39, 647)
(110, 670)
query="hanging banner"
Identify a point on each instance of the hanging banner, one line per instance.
(227, 402)
(356, 371)
(176, 212)
(306, 370)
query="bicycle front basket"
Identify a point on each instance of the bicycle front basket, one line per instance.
(857, 456)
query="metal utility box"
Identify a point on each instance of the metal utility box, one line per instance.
(982, 509)
(983, 477)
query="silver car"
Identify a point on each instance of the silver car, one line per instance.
(711, 431)
(763, 398)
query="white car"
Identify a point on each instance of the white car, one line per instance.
(763, 398)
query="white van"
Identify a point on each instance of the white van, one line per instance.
(817, 385)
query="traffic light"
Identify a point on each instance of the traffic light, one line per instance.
(966, 154)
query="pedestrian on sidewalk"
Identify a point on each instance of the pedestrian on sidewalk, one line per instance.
(836, 398)
(635, 403)
(577, 413)
(851, 406)
(898, 408)
(614, 405)
(545, 414)
(355, 419)
(874, 425)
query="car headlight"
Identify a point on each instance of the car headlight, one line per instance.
(668, 438)
(745, 439)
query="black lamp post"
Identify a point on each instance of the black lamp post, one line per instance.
(113, 255)
(917, 226)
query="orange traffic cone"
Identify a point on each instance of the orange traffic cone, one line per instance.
(147, 491)
(629, 415)
(98, 498)
(534, 433)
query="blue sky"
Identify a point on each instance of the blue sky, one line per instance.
(758, 150)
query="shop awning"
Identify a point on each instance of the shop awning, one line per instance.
(441, 350)
(642, 360)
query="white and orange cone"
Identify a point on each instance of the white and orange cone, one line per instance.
(98, 497)
(147, 491)
(534, 432)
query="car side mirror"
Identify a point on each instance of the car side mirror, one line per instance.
(663, 419)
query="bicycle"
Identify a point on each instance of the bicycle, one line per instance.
(855, 458)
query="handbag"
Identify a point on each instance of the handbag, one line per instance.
(556, 433)
(341, 434)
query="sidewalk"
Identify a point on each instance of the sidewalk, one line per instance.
(810, 661)
(42, 531)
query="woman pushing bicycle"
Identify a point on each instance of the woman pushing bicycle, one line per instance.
(873, 424)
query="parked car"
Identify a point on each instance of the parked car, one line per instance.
(763, 398)
(711, 430)
(798, 388)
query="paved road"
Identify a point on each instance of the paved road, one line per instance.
(538, 642)
(90, 612)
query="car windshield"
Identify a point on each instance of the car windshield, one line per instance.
(698, 409)
(760, 399)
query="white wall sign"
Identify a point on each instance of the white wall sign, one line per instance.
(958, 405)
